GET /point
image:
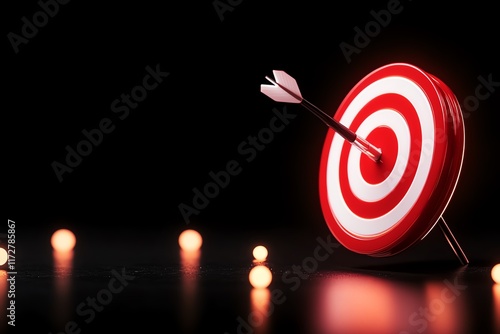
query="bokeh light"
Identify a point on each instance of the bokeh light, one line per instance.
(63, 240)
(3, 256)
(495, 273)
(190, 240)
(260, 276)
(260, 253)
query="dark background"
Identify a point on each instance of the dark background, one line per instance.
(122, 200)
(64, 80)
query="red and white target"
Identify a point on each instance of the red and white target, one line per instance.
(381, 208)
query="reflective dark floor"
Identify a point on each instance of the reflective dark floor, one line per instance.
(119, 174)
(314, 292)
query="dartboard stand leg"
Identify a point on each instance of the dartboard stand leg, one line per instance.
(452, 241)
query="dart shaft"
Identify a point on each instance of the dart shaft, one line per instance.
(364, 146)
(339, 128)
(371, 151)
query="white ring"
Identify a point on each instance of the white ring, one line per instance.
(344, 215)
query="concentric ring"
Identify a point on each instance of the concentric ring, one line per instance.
(380, 208)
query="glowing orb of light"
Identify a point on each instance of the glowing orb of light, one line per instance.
(495, 273)
(260, 276)
(260, 253)
(63, 240)
(3, 256)
(190, 240)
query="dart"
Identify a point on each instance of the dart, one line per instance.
(410, 126)
(285, 89)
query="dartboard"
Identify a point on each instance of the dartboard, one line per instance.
(381, 208)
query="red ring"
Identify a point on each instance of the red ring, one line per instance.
(370, 210)
(441, 180)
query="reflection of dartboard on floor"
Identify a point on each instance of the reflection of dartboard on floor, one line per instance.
(380, 204)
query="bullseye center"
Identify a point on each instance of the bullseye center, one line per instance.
(376, 172)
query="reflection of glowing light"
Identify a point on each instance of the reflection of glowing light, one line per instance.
(495, 273)
(63, 240)
(260, 253)
(190, 267)
(62, 301)
(352, 303)
(3, 256)
(260, 276)
(262, 309)
(496, 301)
(443, 308)
(63, 261)
(190, 262)
(3, 299)
(260, 300)
(190, 240)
